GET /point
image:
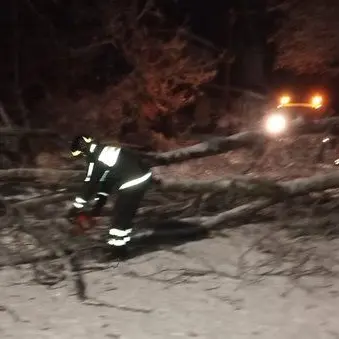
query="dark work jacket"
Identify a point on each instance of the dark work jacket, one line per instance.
(110, 167)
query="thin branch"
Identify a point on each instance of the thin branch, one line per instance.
(5, 118)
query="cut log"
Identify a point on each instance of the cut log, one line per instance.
(39, 174)
(256, 186)
(251, 140)
(246, 184)
(43, 200)
(242, 211)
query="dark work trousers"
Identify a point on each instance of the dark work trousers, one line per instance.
(125, 208)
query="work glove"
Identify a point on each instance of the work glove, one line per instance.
(98, 206)
(72, 213)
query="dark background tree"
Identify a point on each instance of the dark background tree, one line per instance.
(305, 41)
(308, 40)
(115, 67)
(107, 64)
(63, 49)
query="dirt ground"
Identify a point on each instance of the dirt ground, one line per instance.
(191, 291)
(200, 289)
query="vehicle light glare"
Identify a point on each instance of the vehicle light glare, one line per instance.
(275, 124)
(284, 100)
(317, 101)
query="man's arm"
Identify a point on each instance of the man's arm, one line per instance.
(97, 172)
(104, 189)
(94, 173)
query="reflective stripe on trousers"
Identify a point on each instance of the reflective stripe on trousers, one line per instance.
(79, 202)
(119, 237)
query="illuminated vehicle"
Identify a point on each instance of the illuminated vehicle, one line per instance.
(287, 113)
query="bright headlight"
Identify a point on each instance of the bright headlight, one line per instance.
(276, 124)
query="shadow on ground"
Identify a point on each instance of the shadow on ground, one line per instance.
(166, 235)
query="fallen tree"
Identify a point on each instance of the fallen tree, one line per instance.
(187, 213)
(249, 139)
(248, 186)
(255, 140)
(173, 208)
(267, 192)
(254, 186)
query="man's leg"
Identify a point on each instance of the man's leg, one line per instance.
(125, 208)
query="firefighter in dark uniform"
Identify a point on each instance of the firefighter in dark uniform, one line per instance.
(111, 169)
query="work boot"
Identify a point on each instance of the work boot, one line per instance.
(119, 253)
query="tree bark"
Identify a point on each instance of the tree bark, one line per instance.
(217, 145)
(39, 174)
(249, 185)
(256, 186)
(242, 211)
